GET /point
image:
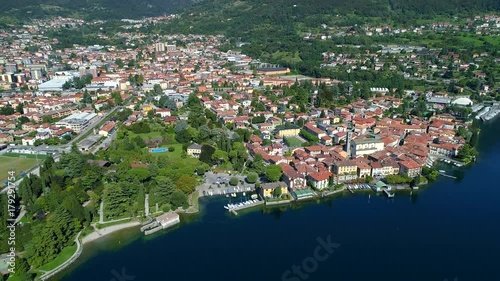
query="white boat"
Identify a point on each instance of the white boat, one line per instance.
(254, 196)
(226, 207)
(442, 171)
(244, 194)
(233, 194)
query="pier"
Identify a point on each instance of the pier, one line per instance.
(448, 176)
(241, 206)
(389, 195)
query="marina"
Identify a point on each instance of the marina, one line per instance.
(233, 207)
(488, 113)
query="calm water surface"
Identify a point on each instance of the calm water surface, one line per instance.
(449, 230)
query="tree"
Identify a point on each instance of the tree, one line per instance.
(186, 184)
(86, 98)
(233, 181)
(119, 63)
(117, 98)
(252, 177)
(7, 110)
(206, 154)
(474, 139)
(139, 173)
(201, 170)
(163, 190)
(277, 192)
(139, 141)
(178, 199)
(20, 108)
(22, 270)
(273, 173)
(220, 156)
(157, 90)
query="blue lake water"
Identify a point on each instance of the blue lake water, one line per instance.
(447, 231)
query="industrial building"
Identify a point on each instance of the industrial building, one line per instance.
(77, 122)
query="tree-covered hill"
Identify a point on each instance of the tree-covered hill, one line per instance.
(247, 16)
(89, 9)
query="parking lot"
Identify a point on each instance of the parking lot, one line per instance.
(218, 181)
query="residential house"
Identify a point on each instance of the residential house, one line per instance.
(5, 138)
(364, 170)
(268, 189)
(194, 150)
(410, 168)
(107, 129)
(28, 141)
(288, 132)
(320, 180)
(444, 149)
(292, 178)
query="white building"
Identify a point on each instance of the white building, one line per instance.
(77, 122)
(366, 147)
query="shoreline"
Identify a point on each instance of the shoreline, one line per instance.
(99, 233)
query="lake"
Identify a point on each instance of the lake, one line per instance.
(447, 231)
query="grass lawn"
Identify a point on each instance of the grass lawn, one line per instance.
(63, 256)
(31, 156)
(17, 165)
(176, 154)
(293, 142)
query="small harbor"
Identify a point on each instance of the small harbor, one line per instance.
(488, 112)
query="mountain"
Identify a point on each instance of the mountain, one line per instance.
(90, 9)
(243, 16)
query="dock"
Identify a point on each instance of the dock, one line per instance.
(389, 195)
(448, 176)
(235, 207)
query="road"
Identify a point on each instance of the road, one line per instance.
(101, 213)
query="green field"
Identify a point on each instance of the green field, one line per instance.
(293, 142)
(176, 154)
(15, 164)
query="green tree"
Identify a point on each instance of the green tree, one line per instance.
(233, 181)
(206, 154)
(178, 199)
(163, 190)
(186, 184)
(252, 177)
(277, 192)
(273, 173)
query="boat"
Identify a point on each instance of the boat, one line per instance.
(244, 193)
(254, 196)
(226, 207)
(233, 195)
(442, 171)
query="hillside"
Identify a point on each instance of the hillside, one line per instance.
(240, 17)
(275, 28)
(89, 9)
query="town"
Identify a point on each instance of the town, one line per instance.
(146, 126)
